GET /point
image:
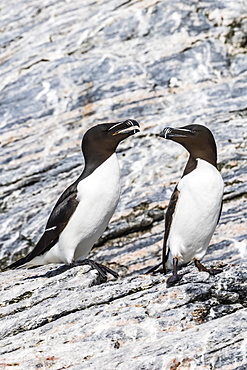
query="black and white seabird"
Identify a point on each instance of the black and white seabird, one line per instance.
(85, 208)
(195, 205)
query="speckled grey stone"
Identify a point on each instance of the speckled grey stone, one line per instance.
(137, 321)
(65, 66)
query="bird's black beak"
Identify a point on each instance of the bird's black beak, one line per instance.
(173, 133)
(128, 127)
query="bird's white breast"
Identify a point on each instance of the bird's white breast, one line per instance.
(98, 195)
(196, 214)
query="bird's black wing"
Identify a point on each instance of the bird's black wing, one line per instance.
(220, 211)
(59, 217)
(168, 221)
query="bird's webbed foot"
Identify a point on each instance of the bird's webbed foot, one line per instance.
(175, 278)
(172, 280)
(201, 267)
(102, 270)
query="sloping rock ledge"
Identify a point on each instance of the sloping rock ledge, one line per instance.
(54, 318)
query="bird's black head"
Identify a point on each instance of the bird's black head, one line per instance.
(101, 141)
(197, 139)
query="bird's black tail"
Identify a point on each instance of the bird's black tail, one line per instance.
(43, 245)
(16, 264)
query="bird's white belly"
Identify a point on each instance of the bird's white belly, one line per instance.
(98, 196)
(196, 214)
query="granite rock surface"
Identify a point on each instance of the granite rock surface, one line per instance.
(64, 319)
(65, 66)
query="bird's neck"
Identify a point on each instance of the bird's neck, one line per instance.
(91, 164)
(192, 163)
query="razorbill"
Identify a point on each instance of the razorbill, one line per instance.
(195, 205)
(85, 208)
